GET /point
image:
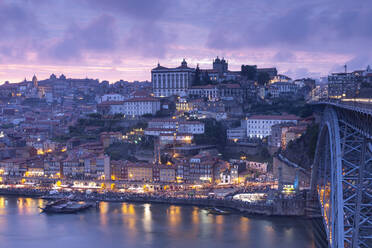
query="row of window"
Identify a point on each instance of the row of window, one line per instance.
(178, 77)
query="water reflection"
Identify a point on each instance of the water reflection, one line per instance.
(128, 225)
(174, 216)
(3, 203)
(103, 209)
(129, 219)
(147, 222)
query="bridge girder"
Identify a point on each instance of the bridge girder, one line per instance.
(342, 177)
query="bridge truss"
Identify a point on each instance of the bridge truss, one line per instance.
(342, 176)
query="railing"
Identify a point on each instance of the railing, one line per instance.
(357, 104)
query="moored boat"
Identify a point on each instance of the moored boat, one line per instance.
(65, 206)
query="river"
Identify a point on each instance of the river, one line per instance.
(144, 225)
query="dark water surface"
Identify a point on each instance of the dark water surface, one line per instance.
(144, 225)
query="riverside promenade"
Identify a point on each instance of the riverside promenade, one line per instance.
(280, 206)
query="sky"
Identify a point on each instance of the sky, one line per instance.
(125, 39)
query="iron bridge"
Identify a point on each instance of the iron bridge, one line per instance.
(342, 173)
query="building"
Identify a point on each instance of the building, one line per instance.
(236, 134)
(140, 172)
(279, 89)
(169, 126)
(172, 81)
(167, 174)
(278, 132)
(259, 126)
(220, 65)
(201, 168)
(258, 166)
(343, 85)
(111, 97)
(280, 78)
(175, 138)
(134, 106)
(208, 91)
(118, 170)
(193, 127)
(272, 72)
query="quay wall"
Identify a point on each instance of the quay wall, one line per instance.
(279, 207)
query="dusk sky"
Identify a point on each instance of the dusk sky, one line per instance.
(125, 39)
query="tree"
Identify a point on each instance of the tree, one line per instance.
(263, 78)
(214, 134)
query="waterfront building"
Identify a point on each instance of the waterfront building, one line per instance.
(172, 81)
(118, 170)
(201, 168)
(140, 172)
(164, 173)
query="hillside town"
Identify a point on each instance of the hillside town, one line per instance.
(188, 128)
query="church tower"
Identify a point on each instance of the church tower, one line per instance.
(34, 81)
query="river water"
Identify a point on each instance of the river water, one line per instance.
(144, 225)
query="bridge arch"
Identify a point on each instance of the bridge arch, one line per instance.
(342, 179)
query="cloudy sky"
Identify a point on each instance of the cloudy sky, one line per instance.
(124, 39)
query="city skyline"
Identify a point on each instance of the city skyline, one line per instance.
(125, 39)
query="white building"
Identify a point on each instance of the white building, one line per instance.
(193, 127)
(172, 81)
(259, 126)
(278, 88)
(136, 106)
(262, 167)
(110, 97)
(209, 91)
(158, 126)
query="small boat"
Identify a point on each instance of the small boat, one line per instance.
(65, 206)
(217, 211)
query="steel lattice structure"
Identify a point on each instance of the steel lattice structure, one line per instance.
(342, 175)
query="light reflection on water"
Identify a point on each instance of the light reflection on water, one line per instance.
(143, 225)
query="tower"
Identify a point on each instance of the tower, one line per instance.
(34, 81)
(184, 63)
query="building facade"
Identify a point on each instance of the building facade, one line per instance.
(172, 81)
(259, 126)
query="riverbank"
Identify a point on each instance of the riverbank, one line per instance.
(294, 206)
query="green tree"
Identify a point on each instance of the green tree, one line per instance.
(214, 134)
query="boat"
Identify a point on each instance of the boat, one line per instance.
(65, 206)
(217, 211)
